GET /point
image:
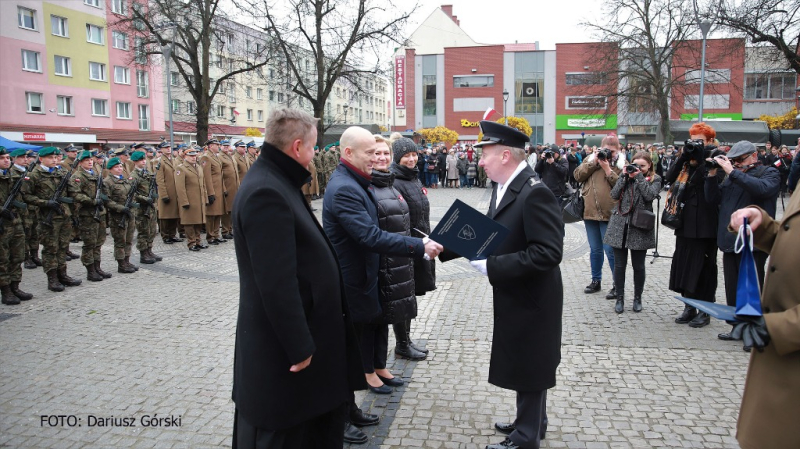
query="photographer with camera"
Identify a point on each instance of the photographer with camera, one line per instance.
(552, 170)
(632, 225)
(694, 263)
(599, 173)
(747, 182)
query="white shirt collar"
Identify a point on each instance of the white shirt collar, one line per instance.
(20, 167)
(501, 188)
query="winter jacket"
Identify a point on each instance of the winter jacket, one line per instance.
(699, 216)
(758, 186)
(396, 273)
(407, 183)
(554, 175)
(643, 193)
(597, 186)
(462, 166)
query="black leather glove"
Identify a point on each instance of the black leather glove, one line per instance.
(165, 200)
(186, 206)
(98, 201)
(7, 214)
(752, 331)
(53, 204)
(225, 194)
(211, 199)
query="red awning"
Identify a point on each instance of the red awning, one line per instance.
(103, 135)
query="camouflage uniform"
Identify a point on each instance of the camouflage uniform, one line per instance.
(146, 216)
(30, 224)
(12, 237)
(92, 228)
(116, 189)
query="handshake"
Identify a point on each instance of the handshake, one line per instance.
(432, 249)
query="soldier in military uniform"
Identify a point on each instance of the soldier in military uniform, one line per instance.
(124, 158)
(242, 161)
(215, 188)
(252, 152)
(192, 198)
(30, 217)
(146, 214)
(168, 197)
(12, 234)
(122, 219)
(230, 179)
(91, 213)
(39, 190)
(152, 160)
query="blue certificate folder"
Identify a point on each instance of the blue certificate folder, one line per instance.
(468, 233)
(718, 311)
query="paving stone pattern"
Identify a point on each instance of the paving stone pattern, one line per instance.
(161, 342)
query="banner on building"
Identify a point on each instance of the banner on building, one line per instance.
(530, 90)
(400, 82)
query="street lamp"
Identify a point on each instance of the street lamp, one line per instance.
(505, 100)
(167, 51)
(705, 27)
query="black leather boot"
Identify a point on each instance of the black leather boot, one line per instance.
(144, 257)
(154, 255)
(19, 293)
(92, 275)
(411, 342)
(688, 314)
(52, 282)
(8, 297)
(612, 294)
(637, 304)
(702, 319)
(29, 263)
(619, 307)
(122, 267)
(403, 348)
(594, 287)
(35, 258)
(65, 279)
(129, 264)
(100, 271)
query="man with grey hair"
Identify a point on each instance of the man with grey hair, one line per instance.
(296, 359)
(526, 280)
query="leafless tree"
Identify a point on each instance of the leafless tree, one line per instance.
(323, 41)
(203, 39)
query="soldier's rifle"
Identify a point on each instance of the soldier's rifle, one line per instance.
(129, 200)
(48, 219)
(152, 193)
(12, 195)
(98, 196)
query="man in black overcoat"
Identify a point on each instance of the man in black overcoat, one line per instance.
(296, 358)
(526, 283)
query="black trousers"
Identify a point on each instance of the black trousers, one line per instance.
(373, 339)
(730, 271)
(621, 263)
(324, 431)
(531, 422)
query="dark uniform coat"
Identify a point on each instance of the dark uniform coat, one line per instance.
(192, 191)
(771, 402)
(165, 179)
(292, 303)
(526, 284)
(212, 176)
(230, 180)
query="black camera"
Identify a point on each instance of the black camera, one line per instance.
(631, 169)
(710, 155)
(694, 146)
(604, 154)
(549, 154)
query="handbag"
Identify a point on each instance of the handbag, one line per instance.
(748, 290)
(572, 209)
(672, 216)
(643, 219)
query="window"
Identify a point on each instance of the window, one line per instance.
(272, 74)
(142, 90)
(123, 110)
(473, 81)
(64, 105)
(272, 95)
(119, 7)
(280, 97)
(58, 26)
(31, 61)
(119, 40)
(176, 106)
(97, 71)
(26, 18)
(94, 34)
(144, 117)
(100, 107)
(190, 107)
(713, 76)
(95, 3)
(233, 113)
(259, 94)
(122, 75)
(141, 53)
(62, 66)
(250, 115)
(220, 110)
(248, 92)
(230, 39)
(173, 78)
(580, 78)
(222, 87)
(231, 92)
(769, 86)
(260, 116)
(338, 92)
(35, 102)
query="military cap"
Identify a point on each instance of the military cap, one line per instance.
(112, 162)
(98, 154)
(225, 142)
(83, 155)
(212, 141)
(239, 144)
(164, 145)
(251, 144)
(496, 133)
(741, 148)
(137, 156)
(70, 148)
(191, 152)
(17, 153)
(136, 146)
(119, 151)
(3, 150)
(47, 151)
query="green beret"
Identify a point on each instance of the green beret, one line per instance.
(47, 151)
(18, 153)
(85, 154)
(112, 162)
(137, 156)
(3, 150)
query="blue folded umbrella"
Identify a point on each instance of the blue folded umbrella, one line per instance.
(718, 311)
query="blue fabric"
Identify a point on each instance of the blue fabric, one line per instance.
(11, 145)
(595, 231)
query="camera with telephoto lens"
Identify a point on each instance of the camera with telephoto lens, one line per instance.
(694, 146)
(710, 155)
(604, 154)
(631, 169)
(548, 154)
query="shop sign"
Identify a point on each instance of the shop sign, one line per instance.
(400, 82)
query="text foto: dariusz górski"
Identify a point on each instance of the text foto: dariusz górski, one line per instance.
(110, 421)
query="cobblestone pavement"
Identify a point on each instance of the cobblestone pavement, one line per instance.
(160, 341)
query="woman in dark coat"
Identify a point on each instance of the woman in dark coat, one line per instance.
(403, 168)
(633, 191)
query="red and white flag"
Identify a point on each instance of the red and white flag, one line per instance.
(489, 112)
(235, 112)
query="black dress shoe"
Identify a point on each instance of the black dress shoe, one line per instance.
(178, 240)
(228, 236)
(168, 241)
(505, 444)
(612, 294)
(702, 319)
(354, 435)
(220, 241)
(504, 427)
(727, 336)
(361, 419)
(688, 314)
(393, 382)
(201, 246)
(194, 248)
(594, 287)
(383, 389)
(212, 242)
